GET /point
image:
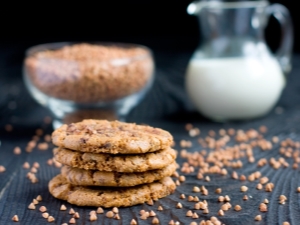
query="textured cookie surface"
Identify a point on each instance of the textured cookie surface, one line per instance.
(116, 163)
(83, 177)
(110, 197)
(113, 137)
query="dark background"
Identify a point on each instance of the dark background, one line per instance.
(160, 24)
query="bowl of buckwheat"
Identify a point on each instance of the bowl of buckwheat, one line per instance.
(77, 80)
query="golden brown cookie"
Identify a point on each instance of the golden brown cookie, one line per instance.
(112, 196)
(115, 137)
(83, 177)
(116, 163)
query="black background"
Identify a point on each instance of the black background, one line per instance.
(160, 24)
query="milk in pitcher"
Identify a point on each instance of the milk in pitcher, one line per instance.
(234, 88)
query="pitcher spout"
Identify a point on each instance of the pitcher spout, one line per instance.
(195, 7)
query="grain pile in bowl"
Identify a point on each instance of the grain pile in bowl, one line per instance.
(87, 73)
(112, 164)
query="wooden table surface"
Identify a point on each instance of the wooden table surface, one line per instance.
(166, 106)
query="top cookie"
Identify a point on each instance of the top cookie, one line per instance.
(111, 137)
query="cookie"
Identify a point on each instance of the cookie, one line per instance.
(116, 163)
(115, 137)
(112, 196)
(83, 177)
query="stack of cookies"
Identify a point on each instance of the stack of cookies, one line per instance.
(112, 164)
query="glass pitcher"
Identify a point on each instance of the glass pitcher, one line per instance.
(233, 75)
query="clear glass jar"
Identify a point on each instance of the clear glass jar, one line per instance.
(88, 80)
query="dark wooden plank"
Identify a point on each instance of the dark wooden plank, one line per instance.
(159, 109)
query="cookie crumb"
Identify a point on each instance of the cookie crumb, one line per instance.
(92, 212)
(71, 211)
(179, 205)
(206, 211)
(237, 208)
(195, 215)
(171, 222)
(263, 207)
(197, 205)
(259, 186)
(117, 217)
(221, 212)
(269, 187)
(218, 191)
(244, 188)
(258, 218)
(47, 138)
(181, 178)
(33, 170)
(189, 213)
(109, 214)
(100, 210)
(17, 150)
(182, 196)
(285, 223)
(245, 198)
(144, 216)
(39, 198)
(282, 198)
(76, 215)
(43, 209)
(160, 208)
(36, 165)
(193, 223)
(63, 207)
(196, 189)
(227, 198)
(57, 164)
(47, 119)
(42, 146)
(72, 221)
(93, 217)
(155, 220)
(235, 175)
(15, 218)
(34, 201)
(31, 206)
(45, 215)
(224, 207)
(26, 165)
(50, 162)
(133, 222)
(115, 210)
(207, 178)
(152, 213)
(221, 198)
(51, 219)
(2, 169)
(243, 177)
(150, 202)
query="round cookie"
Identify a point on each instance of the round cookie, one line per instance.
(112, 137)
(83, 177)
(110, 197)
(116, 163)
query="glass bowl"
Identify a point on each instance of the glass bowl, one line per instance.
(88, 80)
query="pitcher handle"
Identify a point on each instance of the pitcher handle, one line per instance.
(284, 52)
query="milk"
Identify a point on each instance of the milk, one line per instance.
(234, 88)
